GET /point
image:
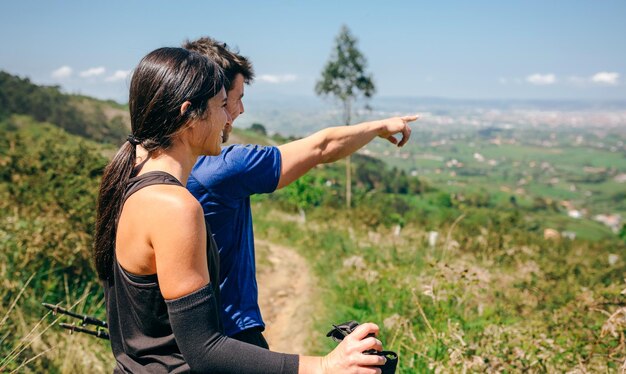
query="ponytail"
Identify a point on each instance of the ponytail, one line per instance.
(110, 199)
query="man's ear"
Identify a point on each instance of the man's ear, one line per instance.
(184, 107)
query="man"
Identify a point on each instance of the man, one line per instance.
(223, 184)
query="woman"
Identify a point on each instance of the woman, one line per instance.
(153, 251)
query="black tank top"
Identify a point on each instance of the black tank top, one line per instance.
(141, 336)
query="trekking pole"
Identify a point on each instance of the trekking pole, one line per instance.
(100, 331)
(97, 333)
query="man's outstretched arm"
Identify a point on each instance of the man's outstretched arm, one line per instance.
(334, 143)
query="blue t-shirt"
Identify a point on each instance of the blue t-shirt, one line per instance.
(223, 185)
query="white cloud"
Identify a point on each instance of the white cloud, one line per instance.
(541, 79)
(607, 78)
(270, 78)
(62, 72)
(503, 80)
(118, 76)
(93, 72)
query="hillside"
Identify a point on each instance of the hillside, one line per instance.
(460, 277)
(48, 186)
(103, 121)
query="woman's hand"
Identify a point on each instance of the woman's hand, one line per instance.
(348, 357)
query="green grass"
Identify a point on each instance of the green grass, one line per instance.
(504, 299)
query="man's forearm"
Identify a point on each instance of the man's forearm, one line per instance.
(335, 143)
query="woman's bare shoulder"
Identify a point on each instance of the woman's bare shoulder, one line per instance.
(166, 201)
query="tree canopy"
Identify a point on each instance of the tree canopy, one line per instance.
(344, 76)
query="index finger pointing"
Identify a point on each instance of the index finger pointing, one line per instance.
(410, 118)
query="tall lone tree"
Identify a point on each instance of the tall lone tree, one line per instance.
(344, 78)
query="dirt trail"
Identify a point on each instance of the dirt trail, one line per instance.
(286, 297)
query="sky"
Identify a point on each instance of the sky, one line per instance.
(553, 50)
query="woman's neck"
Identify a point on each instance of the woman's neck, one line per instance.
(177, 160)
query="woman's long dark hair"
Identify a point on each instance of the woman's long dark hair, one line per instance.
(161, 83)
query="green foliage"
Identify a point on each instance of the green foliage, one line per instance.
(305, 192)
(344, 75)
(382, 195)
(258, 128)
(443, 199)
(374, 174)
(78, 115)
(48, 185)
(378, 209)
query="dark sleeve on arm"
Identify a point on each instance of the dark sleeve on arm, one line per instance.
(194, 320)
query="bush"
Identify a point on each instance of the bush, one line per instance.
(48, 187)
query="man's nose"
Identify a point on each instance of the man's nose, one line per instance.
(241, 109)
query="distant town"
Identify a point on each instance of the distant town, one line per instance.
(566, 157)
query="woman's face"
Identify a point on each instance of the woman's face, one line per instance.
(206, 134)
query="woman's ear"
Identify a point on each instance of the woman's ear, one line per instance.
(184, 107)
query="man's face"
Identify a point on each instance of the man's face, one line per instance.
(234, 103)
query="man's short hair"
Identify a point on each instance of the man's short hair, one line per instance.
(229, 60)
